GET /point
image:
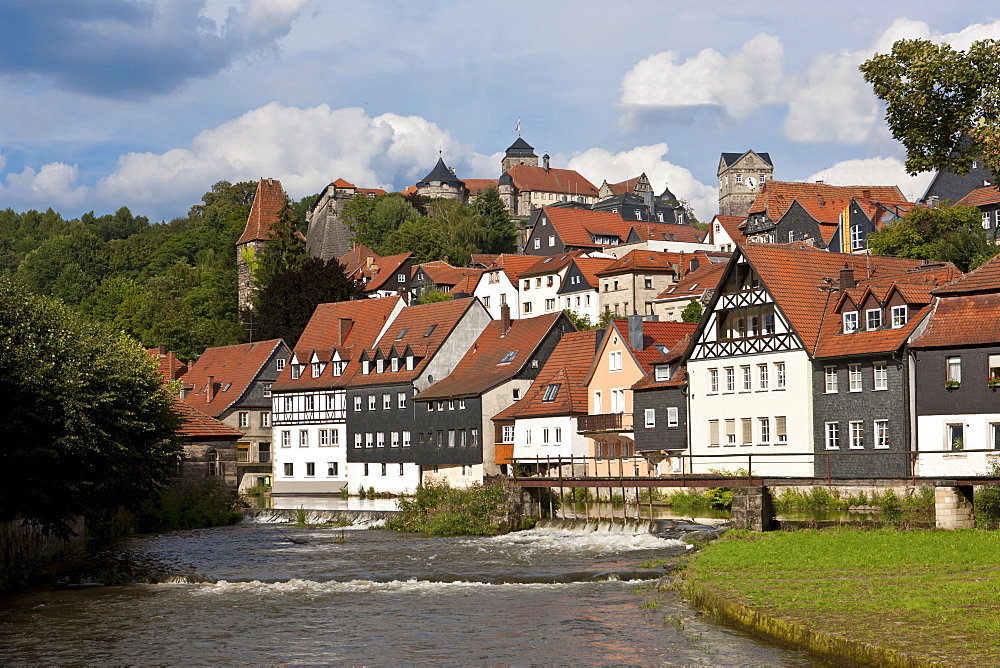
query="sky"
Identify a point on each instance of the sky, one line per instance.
(147, 103)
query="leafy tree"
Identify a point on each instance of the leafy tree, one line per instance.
(422, 237)
(581, 322)
(692, 313)
(374, 220)
(284, 251)
(282, 308)
(940, 234)
(85, 423)
(936, 97)
(68, 266)
(434, 296)
(301, 208)
(501, 233)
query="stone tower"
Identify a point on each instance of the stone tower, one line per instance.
(518, 153)
(328, 236)
(740, 177)
(267, 204)
(442, 182)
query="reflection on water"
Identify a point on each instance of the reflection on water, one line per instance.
(257, 593)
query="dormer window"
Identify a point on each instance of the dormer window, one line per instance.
(379, 365)
(662, 372)
(365, 367)
(527, 285)
(338, 368)
(550, 392)
(899, 316)
(316, 369)
(409, 362)
(873, 319)
(850, 322)
(395, 364)
(296, 371)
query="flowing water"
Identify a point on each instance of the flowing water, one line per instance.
(271, 593)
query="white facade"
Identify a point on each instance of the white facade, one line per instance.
(459, 476)
(937, 432)
(720, 237)
(309, 442)
(540, 293)
(658, 245)
(392, 477)
(495, 288)
(582, 303)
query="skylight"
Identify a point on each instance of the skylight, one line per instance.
(547, 260)
(402, 333)
(430, 329)
(550, 392)
(508, 357)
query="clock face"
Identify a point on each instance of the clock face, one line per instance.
(751, 183)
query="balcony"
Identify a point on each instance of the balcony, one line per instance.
(590, 424)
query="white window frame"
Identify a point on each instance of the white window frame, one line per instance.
(831, 435)
(881, 432)
(673, 417)
(730, 379)
(780, 377)
(762, 377)
(764, 427)
(649, 418)
(873, 319)
(713, 381)
(850, 322)
(900, 316)
(880, 376)
(856, 431)
(830, 380)
(854, 380)
(747, 378)
(615, 360)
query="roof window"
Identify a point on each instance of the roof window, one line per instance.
(430, 329)
(550, 392)
(402, 333)
(225, 388)
(508, 357)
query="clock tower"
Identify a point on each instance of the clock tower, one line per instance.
(741, 176)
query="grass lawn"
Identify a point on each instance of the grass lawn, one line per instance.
(936, 593)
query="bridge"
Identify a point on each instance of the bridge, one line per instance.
(953, 502)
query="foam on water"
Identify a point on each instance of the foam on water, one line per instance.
(590, 542)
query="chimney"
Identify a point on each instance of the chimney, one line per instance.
(210, 390)
(635, 331)
(162, 350)
(171, 366)
(343, 329)
(694, 264)
(647, 199)
(680, 265)
(504, 319)
(847, 278)
(545, 161)
(866, 194)
(368, 261)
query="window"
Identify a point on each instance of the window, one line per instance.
(552, 240)
(873, 319)
(545, 436)
(880, 376)
(430, 330)
(780, 429)
(394, 439)
(451, 438)
(474, 436)
(615, 360)
(324, 437)
(647, 282)
(451, 404)
(267, 389)
(661, 372)
(286, 439)
(371, 402)
(538, 243)
(857, 434)
(956, 437)
(854, 377)
(526, 307)
(779, 372)
(406, 441)
(288, 403)
(617, 401)
(379, 365)
(316, 369)
(538, 282)
(954, 370)
(394, 364)
(730, 379)
(365, 471)
(440, 405)
(461, 404)
(713, 380)
(850, 322)
(357, 440)
(762, 377)
(401, 400)
(730, 432)
(310, 469)
(899, 316)
(401, 278)
(747, 378)
(881, 434)
(289, 469)
(409, 362)
(597, 403)
(310, 403)
(265, 419)
(380, 439)
(769, 323)
(993, 364)
(357, 403)
(746, 425)
(386, 401)
(650, 417)
(673, 418)
(857, 238)
(550, 304)
(713, 433)
(516, 393)
(508, 433)
(244, 419)
(369, 439)
(365, 367)
(550, 392)
(764, 424)
(401, 468)
(331, 469)
(830, 379)
(832, 436)
(303, 438)
(296, 371)
(463, 438)
(279, 364)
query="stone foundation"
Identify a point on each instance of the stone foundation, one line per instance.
(953, 507)
(753, 509)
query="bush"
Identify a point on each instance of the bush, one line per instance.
(986, 500)
(480, 510)
(190, 504)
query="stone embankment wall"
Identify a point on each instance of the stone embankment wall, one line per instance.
(20, 543)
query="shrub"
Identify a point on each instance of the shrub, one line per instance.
(436, 508)
(190, 504)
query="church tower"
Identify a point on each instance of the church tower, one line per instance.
(518, 153)
(267, 204)
(741, 176)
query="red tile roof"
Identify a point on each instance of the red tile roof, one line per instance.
(513, 265)
(590, 266)
(539, 179)
(775, 197)
(623, 187)
(171, 368)
(694, 283)
(642, 260)
(484, 259)
(268, 202)
(668, 232)
(442, 273)
(658, 333)
(568, 366)
(196, 425)
(427, 327)
(478, 186)
(342, 183)
(649, 382)
(834, 343)
(362, 263)
(480, 369)
(232, 369)
(551, 264)
(798, 277)
(985, 278)
(469, 281)
(980, 196)
(731, 224)
(373, 192)
(576, 227)
(962, 320)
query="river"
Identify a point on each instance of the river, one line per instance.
(269, 593)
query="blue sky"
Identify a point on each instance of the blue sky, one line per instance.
(146, 104)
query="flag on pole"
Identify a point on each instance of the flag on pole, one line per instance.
(517, 128)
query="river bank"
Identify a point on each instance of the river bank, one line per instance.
(885, 596)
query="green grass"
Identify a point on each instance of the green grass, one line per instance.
(928, 591)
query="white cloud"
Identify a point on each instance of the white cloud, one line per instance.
(738, 83)
(598, 164)
(54, 182)
(875, 171)
(833, 103)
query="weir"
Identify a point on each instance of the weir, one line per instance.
(278, 515)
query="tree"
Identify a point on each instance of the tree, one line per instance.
(374, 220)
(284, 251)
(692, 312)
(940, 234)
(86, 423)
(936, 98)
(581, 322)
(434, 296)
(283, 307)
(501, 233)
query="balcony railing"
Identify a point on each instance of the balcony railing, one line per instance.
(607, 422)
